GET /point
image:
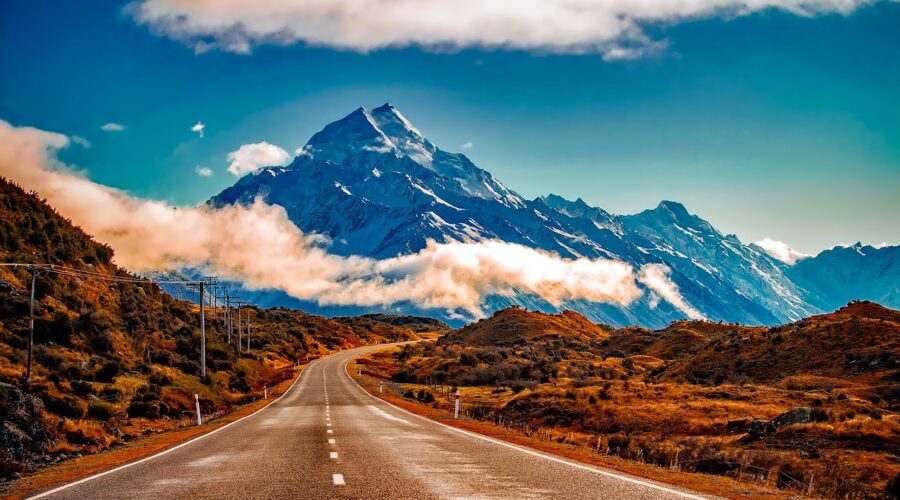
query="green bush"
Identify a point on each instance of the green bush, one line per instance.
(100, 410)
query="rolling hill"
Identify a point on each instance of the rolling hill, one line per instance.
(805, 407)
(113, 359)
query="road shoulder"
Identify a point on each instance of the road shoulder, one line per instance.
(69, 471)
(694, 482)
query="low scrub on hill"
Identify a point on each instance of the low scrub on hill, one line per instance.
(115, 360)
(806, 408)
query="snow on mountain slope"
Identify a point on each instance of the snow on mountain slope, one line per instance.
(836, 276)
(375, 186)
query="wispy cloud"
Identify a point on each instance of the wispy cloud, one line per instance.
(466, 145)
(112, 127)
(618, 30)
(203, 171)
(251, 157)
(780, 250)
(656, 278)
(199, 127)
(81, 141)
(263, 249)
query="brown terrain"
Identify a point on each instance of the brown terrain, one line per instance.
(117, 361)
(808, 408)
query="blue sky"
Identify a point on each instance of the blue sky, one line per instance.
(768, 125)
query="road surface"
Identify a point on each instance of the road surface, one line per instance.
(328, 438)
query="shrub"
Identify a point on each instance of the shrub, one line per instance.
(81, 387)
(45, 356)
(100, 410)
(64, 406)
(111, 394)
(159, 379)
(425, 396)
(892, 490)
(108, 371)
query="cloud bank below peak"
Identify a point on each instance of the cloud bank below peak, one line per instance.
(617, 30)
(263, 249)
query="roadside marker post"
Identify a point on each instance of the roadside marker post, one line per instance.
(456, 405)
(197, 404)
(265, 392)
(381, 387)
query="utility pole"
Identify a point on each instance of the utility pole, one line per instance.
(239, 326)
(30, 326)
(248, 331)
(208, 280)
(202, 334)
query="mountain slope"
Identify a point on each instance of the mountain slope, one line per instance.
(376, 186)
(841, 274)
(114, 359)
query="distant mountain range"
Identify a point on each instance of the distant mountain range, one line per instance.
(377, 187)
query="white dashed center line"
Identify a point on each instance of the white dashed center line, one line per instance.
(338, 479)
(330, 431)
(331, 441)
(333, 455)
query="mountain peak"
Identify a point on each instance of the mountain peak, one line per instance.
(386, 107)
(405, 137)
(676, 208)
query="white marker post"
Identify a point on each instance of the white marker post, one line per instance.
(265, 392)
(197, 404)
(381, 387)
(456, 405)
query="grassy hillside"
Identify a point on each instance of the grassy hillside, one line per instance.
(116, 360)
(808, 407)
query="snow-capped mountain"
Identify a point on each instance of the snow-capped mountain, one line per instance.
(377, 187)
(841, 274)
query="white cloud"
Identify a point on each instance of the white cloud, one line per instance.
(112, 127)
(656, 278)
(251, 157)
(81, 141)
(780, 250)
(304, 151)
(616, 29)
(203, 171)
(466, 145)
(263, 249)
(198, 127)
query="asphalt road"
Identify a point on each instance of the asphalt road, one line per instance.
(328, 438)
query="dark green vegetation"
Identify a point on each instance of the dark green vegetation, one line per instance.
(115, 360)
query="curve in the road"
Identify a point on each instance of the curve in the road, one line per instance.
(327, 437)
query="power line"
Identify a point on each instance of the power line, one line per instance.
(36, 269)
(80, 273)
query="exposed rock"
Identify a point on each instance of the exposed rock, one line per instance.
(23, 433)
(758, 429)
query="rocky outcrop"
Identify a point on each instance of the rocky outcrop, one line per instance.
(759, 429)
(23, 432)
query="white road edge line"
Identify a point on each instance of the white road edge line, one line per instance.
(169, 450)
(519, 448)
(338, 479)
